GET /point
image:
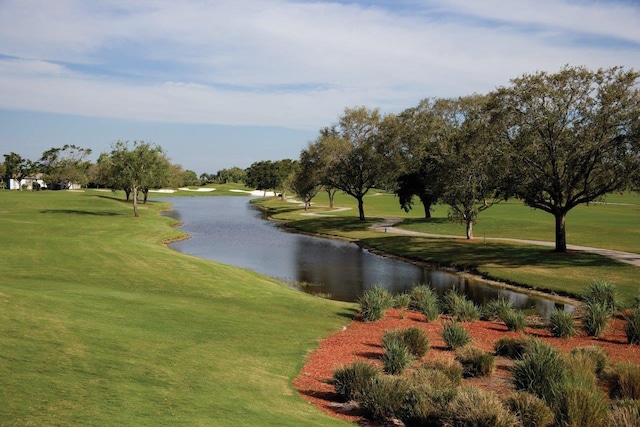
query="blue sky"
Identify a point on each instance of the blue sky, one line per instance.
(225, 83)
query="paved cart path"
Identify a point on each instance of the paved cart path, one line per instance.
(627, 257)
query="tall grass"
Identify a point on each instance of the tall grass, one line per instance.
(541, 372)
(374, 303)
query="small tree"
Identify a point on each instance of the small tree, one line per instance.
(66, 166)
(16, 168)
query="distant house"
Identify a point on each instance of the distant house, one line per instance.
(28, 183)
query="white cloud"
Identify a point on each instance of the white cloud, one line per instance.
(285, 63)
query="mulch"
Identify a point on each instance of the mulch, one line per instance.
(362, 341)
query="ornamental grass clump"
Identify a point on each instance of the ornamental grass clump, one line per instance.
(455, 336)
(402, 301)
(596, 319)
(514, 320)
(415, 339)
(601, 292)
(541, 372)
(582, 406)
(595, 353)
(625, 413)
(374, 303)
(349, 381)
(561, 323)
(512, 348)
(458, 306)
(419, 293)
(450, 367)
(530, 410)
(624, 381)
(494, 309)
(632, 329)
(475, 362)
(383, 399)
(479, 408)
(396, 357)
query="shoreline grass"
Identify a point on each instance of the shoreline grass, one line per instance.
(103, 325)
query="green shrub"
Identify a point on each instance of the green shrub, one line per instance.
(513, 348)
(580, 406)
(475, 362)
(396, 357)
(450, 367)
(402, 301)
(601, 292)
(595, 353)
(624, 381)
(625, 413)
(514, 320)
(460, 307)
(541, 372)
(581, 370)
(494, 309)
(450, 300)
(455, 336)
(561, 323)
(596, 319)
(530, 410)
(427, 400)
(632, 329)
(384, 397)
(479, 408)
(349, 381)
(374, 303)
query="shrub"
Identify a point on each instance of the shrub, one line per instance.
(494, 309)
(479, 408)
(450, 300)
(475, 362)
(530, 410)
(427, 400)
(451, 368)
(632, 329)
(601, 292)
(581, 370)
(396, 357)
(595, 353)
(624, 381)
(460, 307)
(384, 397)
(374, 303)
(541, 372)
(581, 406)
(561, 323)
(514, 320)
(349, 381)
(513, 348)
(455, 336)
(402, 301)
(625, 413)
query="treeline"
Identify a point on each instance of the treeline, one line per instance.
(553, 141)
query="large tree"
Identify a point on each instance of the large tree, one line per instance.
(65, 166)
(472, 168)
(572, 136)
(307, 180)
(357, 160)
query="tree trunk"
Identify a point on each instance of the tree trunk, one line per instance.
(135, 201)
(427, 210)
(127, 192)
(561, 232)
(146, 193)
(331, 194)
(469, 230)
(361, 208)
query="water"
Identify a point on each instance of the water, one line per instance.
(231, 231)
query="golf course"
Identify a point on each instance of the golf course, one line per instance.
(102, 324)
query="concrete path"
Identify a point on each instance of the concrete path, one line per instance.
(387, 226)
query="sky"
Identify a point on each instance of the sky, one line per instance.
(225, 83)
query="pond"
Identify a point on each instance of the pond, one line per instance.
(231, 231)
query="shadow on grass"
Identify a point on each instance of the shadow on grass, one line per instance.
(470, 254)
(79, 212)
(326, 225)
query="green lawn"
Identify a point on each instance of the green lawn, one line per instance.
(612, 225)
(100, 324)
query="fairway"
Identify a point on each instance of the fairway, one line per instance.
(103, 325)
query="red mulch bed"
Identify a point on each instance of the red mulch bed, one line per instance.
(362, 340)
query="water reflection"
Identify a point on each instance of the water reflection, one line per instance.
(231, 231)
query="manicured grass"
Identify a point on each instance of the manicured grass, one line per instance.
(102, 325)
(611, 225)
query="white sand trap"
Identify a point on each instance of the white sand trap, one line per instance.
(162, 190)
(205, 190)
(255, 192)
